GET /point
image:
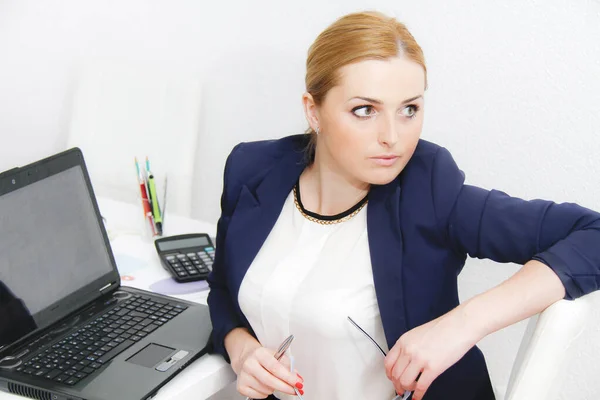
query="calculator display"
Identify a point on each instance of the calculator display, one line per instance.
(183, 243)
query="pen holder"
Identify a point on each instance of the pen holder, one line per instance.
(152, 202)
(147, 227)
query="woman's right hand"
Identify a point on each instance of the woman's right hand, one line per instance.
(260, 374)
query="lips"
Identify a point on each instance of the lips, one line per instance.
(386, 160)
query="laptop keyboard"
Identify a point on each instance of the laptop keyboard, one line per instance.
(81, 353)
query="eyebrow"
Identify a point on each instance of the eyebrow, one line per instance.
(375, 101)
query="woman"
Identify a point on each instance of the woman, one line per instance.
(361, 218)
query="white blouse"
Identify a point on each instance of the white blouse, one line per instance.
(306, 280)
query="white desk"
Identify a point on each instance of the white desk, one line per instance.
(210, 373)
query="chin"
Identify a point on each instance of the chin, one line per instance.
(382, 177)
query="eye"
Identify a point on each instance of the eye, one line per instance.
(410, 111)
(364, 111)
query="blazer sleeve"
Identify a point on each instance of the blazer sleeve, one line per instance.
(223, 314)
(493, 225)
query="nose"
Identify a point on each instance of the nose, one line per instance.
(388, 134)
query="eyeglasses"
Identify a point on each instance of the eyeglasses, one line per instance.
(407, 393)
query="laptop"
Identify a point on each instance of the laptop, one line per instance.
(68, 329)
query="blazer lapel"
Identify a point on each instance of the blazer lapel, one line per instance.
(257, 211)
(255, 215)
(385, 246)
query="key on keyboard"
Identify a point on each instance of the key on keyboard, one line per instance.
(81, 353)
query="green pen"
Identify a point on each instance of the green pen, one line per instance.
(155, 207)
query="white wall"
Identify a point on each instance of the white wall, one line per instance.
(514, 94)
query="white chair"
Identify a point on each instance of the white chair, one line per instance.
(122, 110)
(539, 367)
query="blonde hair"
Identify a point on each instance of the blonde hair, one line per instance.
(353, 38)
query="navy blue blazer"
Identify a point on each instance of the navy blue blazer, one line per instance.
(421, 227)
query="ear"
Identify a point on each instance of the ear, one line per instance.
(311, 111)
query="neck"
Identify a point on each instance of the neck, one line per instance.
(326, 190)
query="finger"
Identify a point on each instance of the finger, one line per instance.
(295, 371)
(265, 376)
(392, 358)
(277, 369)
(285, 360)
(257, 385)
(248, 386)
(408, 379)
(425, 380)
(248, 377)
(398, 370)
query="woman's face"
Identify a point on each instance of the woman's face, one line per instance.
(369, 125)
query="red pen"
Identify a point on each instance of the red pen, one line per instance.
(145, 201)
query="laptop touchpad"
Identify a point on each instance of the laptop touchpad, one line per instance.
(150, 355)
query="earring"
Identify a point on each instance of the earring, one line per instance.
(317, 130)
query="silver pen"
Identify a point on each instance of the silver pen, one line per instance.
(292, 370)
(280, 352)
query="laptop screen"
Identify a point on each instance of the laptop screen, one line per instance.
(51, 246)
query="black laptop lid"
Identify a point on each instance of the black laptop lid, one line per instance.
(54, 252)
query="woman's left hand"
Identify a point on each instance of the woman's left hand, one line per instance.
(429, 350)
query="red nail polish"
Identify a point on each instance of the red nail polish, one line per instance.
(301, 392)
(299, 385)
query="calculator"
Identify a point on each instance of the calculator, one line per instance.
(187, 257)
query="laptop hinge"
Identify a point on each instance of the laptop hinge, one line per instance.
(106, 288)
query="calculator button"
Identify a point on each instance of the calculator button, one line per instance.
(181, 256)
(190, 255)
(194, 272)
(182, 273)
(170, 258)
(176, 264)
(209, 249)
(196, 262)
